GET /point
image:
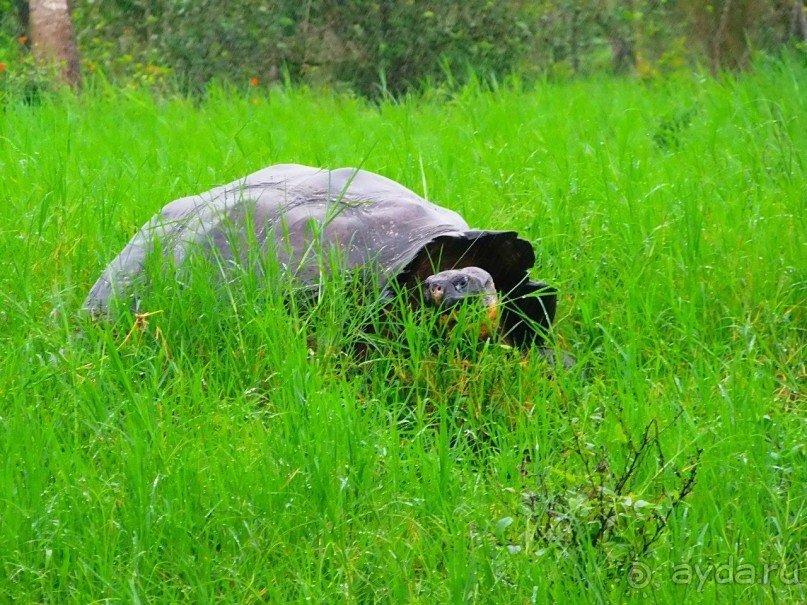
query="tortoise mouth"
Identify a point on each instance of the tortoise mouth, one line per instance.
(446, 303)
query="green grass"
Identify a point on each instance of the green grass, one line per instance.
(212, 457)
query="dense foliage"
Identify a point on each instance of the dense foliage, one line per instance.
(385, 46)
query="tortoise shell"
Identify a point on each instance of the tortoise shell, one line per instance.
(298, 213)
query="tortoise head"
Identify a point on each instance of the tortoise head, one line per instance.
(449, 288)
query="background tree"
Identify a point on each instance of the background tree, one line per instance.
(798, 22)
(53, 39)
(379, 47)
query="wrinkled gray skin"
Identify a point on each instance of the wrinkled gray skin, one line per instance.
(448, 288)
(299, 214)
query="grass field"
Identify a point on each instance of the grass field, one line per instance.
(209, 456)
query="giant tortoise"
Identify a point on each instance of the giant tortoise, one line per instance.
(372, 224)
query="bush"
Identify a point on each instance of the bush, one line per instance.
(366, 45)
(379, 47)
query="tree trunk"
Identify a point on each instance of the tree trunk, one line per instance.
(53, 39)
(798, 25)
(22, 15)
(574, 39)
(623, 53)
(620, 34)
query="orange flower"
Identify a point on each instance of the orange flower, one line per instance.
(22, 39)
(253, 82)
(2, 66)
